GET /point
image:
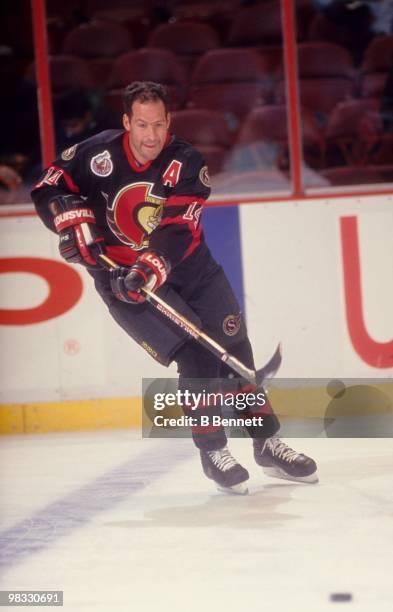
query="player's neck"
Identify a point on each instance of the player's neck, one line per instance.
(136, 160)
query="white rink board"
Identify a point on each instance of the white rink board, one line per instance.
(35, 365)
(294, 288)
(294, 292)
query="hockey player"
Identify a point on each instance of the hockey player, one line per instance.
(137, 195)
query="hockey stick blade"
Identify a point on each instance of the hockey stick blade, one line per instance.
(270, 369)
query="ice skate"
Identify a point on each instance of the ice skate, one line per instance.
(227, 473)
(280, 461)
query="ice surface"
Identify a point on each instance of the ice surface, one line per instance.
(120, 523)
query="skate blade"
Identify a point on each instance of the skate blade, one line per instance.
(239, 489)
(274, 472)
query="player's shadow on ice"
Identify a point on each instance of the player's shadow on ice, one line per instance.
(259, 510)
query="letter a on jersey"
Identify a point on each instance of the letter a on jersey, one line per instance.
(171, 175)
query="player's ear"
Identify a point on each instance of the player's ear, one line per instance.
(126, 122)
(168, 120)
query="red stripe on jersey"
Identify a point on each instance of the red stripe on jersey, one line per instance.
(173, 221)
(69, 182)
(183, 200)
(191, 248)
(195, 233)
(130, 156)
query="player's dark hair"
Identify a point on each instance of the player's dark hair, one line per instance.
(144, 91)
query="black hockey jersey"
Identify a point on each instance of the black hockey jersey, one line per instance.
(156, 205)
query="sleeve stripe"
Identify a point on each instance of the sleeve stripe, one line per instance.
(196, 242)
(180, 221)
(173, 221)
(68, 180)
(184, 200)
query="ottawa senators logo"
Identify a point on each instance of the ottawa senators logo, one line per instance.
(134, 214)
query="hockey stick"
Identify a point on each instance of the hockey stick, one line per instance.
(254, 377)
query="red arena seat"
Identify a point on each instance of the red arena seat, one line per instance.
(156, 65)
(99, 42)
(268, 124)
(256, 25)
(341, 33)
(376, 63)
(356, 175)
(231, 80)
(97, 39)
(67, 72)
(322, 59)
(118, 10)
(378, 55)
(208, 131)
(327, 76)
(187, 39)
(352, 130)
(203, 9)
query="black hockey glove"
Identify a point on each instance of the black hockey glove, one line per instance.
(80, 241)
(150, 271)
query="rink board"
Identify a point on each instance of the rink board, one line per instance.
(67, 365)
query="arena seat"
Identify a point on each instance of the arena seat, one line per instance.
(261, 23)
(208, 131)
(97, 39)
(323, 59)
(268, 124)
(273, 60)
(356, 175)
(327, 76)
(59, 8)
(378, 55)
(376, 63)
(188, 40)
(156, 65)
(68, 72)
(256, 25)
(117, 10)
(203, 9)
(99, 42)
(231, 80)
(353, 39)
(353, 129)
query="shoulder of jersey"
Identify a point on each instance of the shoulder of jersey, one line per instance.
(178, 146)
(103, 138)
(95, 147)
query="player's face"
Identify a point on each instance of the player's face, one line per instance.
(147, 129)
